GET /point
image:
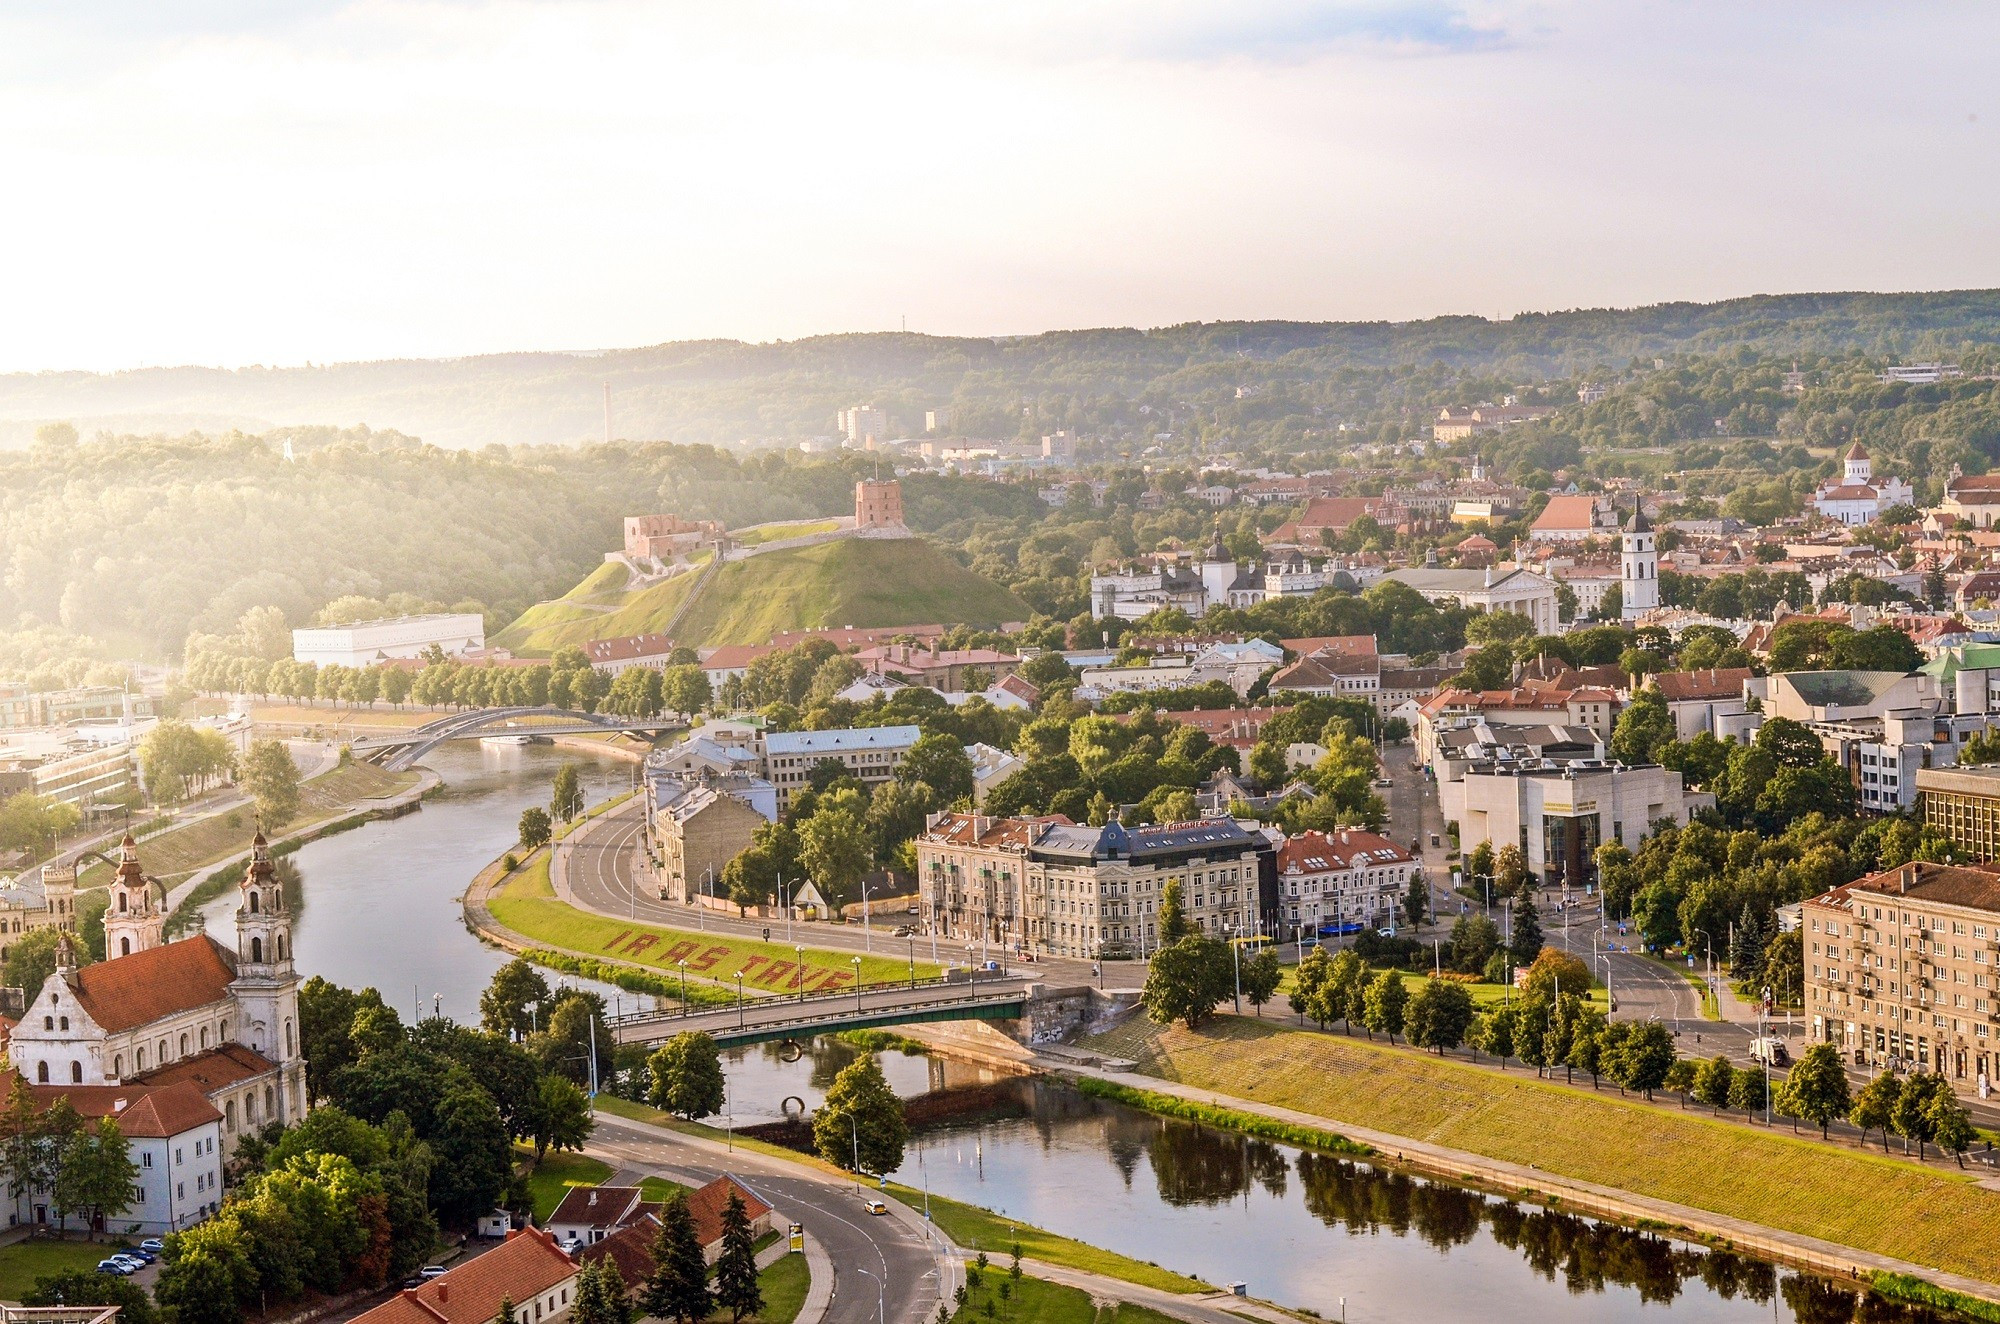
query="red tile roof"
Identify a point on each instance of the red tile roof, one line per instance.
(631, 1246)
(161, 1111)
(1568, 513)
(731, 657)
(130, 991)
(523, 1268)
(1337, 852)
(626, 648)
(708, 1203)
(217, 1069)
(1715, 683)
(1354, 645)
(596, 1206)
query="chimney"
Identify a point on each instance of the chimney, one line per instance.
(444, 1291)
(1909, 875)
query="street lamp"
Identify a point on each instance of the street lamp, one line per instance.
(867, 924)
(739, 999)
(854, 1130)
(881, 1294)
(857, 984)
(913, 960)
(799, 971)
(684, 987)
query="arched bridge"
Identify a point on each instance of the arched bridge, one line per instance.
(764, 1020)
(404, 748)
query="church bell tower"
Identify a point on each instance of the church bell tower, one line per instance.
(266, 988)
(133, 920)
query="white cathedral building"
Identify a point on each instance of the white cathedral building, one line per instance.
(188, 1044)
(1857, 498)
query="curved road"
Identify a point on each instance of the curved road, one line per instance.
(860, 1244)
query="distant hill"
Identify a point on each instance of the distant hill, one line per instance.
(722, 391)
(855, 581)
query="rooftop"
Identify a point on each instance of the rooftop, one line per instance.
(849, 738)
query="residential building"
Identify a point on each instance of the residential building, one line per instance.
(1323, 517)
(627, 651)
(870, 754)
(1971, 500)
(88, 703)
(1341, 877)
(1456, 424)
(1503, 589)
(528, 1269)
(990, 767)
(1921, 374)
(729, 662)
(946, 670)
(1559, 811)
(1237, 728)
(863, 426)
(589, 1214)
(1714, 701)
(1903, 970)
(1050, 887)
(1590, 707)
(1883, 755)
(17, 706)
(365, 643)
(668, 537)
(630, 1244)
(698, 832)
(1857, 498)
(174, 1139)
(1964, 804)
(1331, 674)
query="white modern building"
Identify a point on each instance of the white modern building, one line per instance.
(365, 643)
(1559, 811)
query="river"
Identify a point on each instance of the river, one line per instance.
(380, 904)
(380, 907)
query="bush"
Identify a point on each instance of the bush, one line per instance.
(508, 863)
(1264, 1128)
(1377, 950)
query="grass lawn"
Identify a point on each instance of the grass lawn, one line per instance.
(527, 905)
(969, 1225)
(1033, 1301)
(552, 1179)
(178, 852)
(979, 1229)
(779, 532)
(1768, 1177)
(659, 1189)
(25, 1261)
(784, 1287)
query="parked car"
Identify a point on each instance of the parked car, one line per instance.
(430, 1271)
(113, 1265)
(1385, 781)
(143, 1256)
(875, 1207)
(153, 1244)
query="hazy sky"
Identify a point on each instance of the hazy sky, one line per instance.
(263, 181)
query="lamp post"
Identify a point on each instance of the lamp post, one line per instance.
(867, 925)
(913, 960)
(739, 999)
(684, 987)
(881, 1294)
(857, 984)
(854, 1131)
(799, 970)
(1236, 960)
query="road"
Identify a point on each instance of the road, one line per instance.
(827, 1010)
(888, 1247)
(604, 869)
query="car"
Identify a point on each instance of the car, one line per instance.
(132, 1262)
(875, 1207)
(904, 931)
(143, 1256)
(113, 1266)
(430, 1271)
(1385, 781)
(153, 1244)
(1771, 1052)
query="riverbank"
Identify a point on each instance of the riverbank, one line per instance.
(1787, 1199)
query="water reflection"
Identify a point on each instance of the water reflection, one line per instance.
(1224, 1207)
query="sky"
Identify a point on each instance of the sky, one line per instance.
(237, 182)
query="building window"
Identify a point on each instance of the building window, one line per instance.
(41, 1073)
(76, 1073)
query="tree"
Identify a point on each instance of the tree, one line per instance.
(1681, 1077)
(1260, 977)
(1586, 1043)
(685, 689)
(736, 1287)
(98, 1173)
(940, 762)
(861, 1120)
(535, 827)
(1416, 900)
(686, 1076)
(1875, 1107)
(1645, 1055)
(474, 1152)
(835, 849)
(566, 795)
(678, 1287)
(1644, 729)
(1383, 1007)
(1525, 943)
(1510, 871)
(31, 960)
(1341, 997)
(515, 1001)
(1307, 979)
(1816, 1088)
(561, 1118)
(1950, 1125)
(1439, 1015)
(34, 823)
(1473, 938)
(1174, 923)
(1911, 1115)
(1712, 1081)
(1748, 1089)
(1495, 1034)
(272, 779)
(81, 1287)
(207, 1276)
(1186, 980)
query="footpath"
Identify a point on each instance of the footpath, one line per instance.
(1517, 1181)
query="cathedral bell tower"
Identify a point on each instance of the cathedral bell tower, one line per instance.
(133, 921)
(1639, 577)
(266, 987)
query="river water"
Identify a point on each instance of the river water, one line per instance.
(1306, 1230)
(380, 904)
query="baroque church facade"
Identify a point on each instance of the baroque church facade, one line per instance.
(192, 1031)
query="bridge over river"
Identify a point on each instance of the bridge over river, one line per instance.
(404, 748)
(764, 1020)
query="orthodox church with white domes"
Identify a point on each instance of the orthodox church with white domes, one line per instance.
(1857, 498)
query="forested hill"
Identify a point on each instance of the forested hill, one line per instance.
(1098, 380)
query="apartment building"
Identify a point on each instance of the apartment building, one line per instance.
(1964, 804)
(1050, 887)
(1903, 970)
(871, 754)
(1342, 877)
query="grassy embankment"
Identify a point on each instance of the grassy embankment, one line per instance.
(527, 905)
(174, 854)
(1768, 1178)
(1032, 1301)
(969, 1225)
(854, 581)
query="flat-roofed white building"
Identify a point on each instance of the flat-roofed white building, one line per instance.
(870, 754)
(365, 643)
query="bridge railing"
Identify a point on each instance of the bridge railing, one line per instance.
(985, 983)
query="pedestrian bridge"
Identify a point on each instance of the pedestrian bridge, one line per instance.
(771, 1019)
(404, 748)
